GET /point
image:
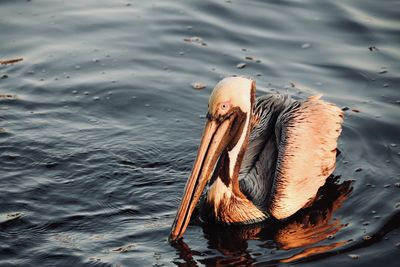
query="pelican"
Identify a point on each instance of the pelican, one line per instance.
(261, 157)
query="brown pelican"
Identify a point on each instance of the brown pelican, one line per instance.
(264, 157)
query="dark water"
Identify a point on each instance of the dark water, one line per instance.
(99, 126)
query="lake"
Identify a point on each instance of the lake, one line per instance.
(100, 124)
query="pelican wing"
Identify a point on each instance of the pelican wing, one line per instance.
(306, 134)
(258, 166)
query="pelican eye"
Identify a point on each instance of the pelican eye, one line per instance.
(224, 106)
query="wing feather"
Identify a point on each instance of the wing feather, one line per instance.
(307, 134)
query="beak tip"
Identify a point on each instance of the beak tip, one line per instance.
(173, 238)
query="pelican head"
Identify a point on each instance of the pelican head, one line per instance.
(221, 151)
(231, 92)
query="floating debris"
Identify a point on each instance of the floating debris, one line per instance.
(292, 85)
(387, 186)
(358, 170)
(249, 58)
(306, 45)
(353, 256)
(393, 145)
(355, 110)
(10, 61)
(4, 218)
(5, 76)
(198, 85)
(195, 39)
(123, 249)
(7, 96)
(383, 70)
(373, 48)
(241, 65)
(385, 85)
(366, 237)
(345, 108)
(190, 39)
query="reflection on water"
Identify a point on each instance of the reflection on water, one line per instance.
(302, 230)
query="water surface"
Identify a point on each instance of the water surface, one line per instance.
(99, 126)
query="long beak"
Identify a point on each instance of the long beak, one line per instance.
(215, 139)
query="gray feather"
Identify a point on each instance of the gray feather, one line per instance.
(258, 166)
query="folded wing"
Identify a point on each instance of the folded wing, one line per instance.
(306, 134)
